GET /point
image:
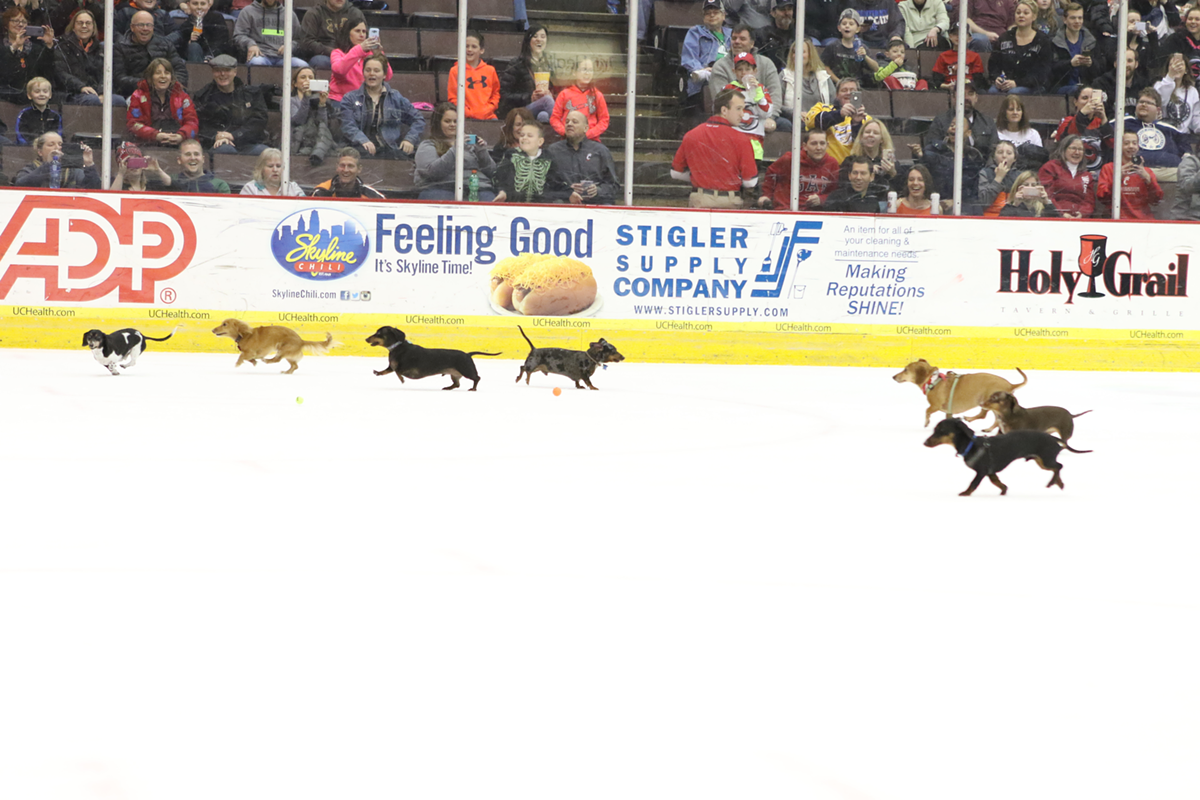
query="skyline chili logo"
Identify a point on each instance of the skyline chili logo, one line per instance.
(320, 244)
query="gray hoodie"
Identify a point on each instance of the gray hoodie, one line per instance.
(263, 27)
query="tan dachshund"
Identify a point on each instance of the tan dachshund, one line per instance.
(1010, 416)
(969, 391)
(256, 343)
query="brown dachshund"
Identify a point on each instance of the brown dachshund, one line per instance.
(968, 391)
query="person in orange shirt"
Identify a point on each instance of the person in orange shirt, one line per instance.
(482, 83)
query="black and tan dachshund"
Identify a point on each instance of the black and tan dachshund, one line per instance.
(989, 455)
(408, 360)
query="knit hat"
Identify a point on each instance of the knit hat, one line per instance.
(128, 150)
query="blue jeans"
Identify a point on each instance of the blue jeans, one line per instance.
(320, 62)
(980, 43)
(95, 100)
(1014, 90)
(545, 105)
(275, 61)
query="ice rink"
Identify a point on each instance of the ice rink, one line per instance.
(699, 583)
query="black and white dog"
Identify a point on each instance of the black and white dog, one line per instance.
(120, 348)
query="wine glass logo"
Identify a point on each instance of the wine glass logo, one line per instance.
(1091, 260)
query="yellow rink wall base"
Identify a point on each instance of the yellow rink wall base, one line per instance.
(792, 342)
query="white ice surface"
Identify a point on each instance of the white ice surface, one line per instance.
(699, 582)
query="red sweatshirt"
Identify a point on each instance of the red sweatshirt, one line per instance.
(1071, 194)
(589, 101)
(1137, 196)
(818, 178)
(946, 67)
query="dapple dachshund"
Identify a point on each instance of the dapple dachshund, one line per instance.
(578, 365)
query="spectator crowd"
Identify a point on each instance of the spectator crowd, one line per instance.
(739, 79)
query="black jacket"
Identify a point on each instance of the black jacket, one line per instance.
(17, 68)
(846, 199)
(75, 68)
(516, 87)
(130, 60)
(245, 116)
(1031, 66)
(214, 40)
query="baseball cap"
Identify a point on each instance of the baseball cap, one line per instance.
(852, 14)
(223, 62)
(711, 4)
(783, 3)
(747, 58)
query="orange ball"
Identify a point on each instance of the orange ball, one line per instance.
(557, 391)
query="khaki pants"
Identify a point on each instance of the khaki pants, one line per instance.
(709, 198)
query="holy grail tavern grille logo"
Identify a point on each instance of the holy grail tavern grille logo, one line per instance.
(320, 244)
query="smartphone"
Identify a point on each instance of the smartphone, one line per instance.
(35, 31)
(856, 98)
(1136, 161)
(1086, 53)
(373, 33)
(316, 86)
(1140, 27)
(137, 163)
(470, 139)
(72, 155)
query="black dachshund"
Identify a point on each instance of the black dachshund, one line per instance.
(989, 455)
(408, 360)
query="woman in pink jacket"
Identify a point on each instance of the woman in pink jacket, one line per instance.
(353, 49)
(1070, 186)
(581, 97)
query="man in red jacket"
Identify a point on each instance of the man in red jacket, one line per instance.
(818, 176)
(716, 157)
(1139, 187)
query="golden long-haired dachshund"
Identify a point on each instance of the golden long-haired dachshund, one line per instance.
(256, 343)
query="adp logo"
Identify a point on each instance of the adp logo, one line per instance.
(82, 248)
(320, 244)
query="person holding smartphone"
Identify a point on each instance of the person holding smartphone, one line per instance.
(1076, 57)
(48, 172)
(1140, 191)
(1028, 198)
(354, 48)
(22, 56)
